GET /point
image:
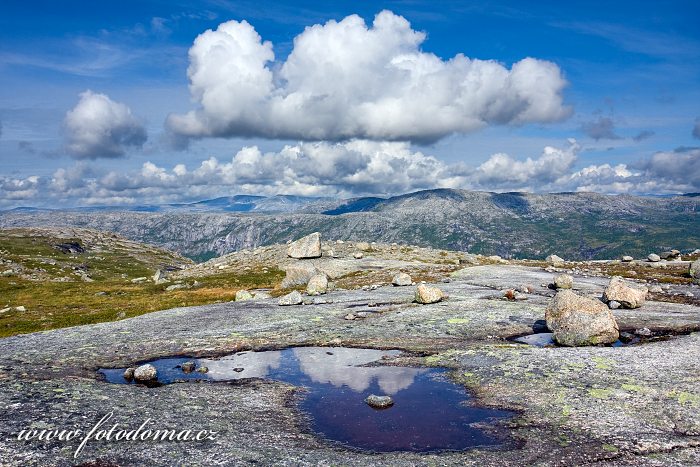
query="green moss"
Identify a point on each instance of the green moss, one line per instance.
(610, 448)
(633, 388)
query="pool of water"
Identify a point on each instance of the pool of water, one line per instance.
(430, 413)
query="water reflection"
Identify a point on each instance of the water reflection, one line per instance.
(429, 413)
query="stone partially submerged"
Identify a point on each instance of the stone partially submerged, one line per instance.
(579, 321)
(306, 247)
(145, 372)
(628, 295)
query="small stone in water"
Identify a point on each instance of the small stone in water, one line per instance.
(238, 370)
(129, 374)
(203, 369)
(188, 367)
(379, 402)
(146, 372)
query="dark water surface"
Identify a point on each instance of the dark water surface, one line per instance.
(430, 413)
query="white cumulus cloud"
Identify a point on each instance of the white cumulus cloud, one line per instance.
(98, 127)
(345, 79)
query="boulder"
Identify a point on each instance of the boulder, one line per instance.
(261, 296)
(306, 247)
(363, 246)
(627, 259)
(146, 372)
(317, 285)
(426, 294)
(563, 281)
(298, 274)
(670, 255)
(379, 402)
(293, 298)
(401, 279)
(578, 321)
(188, 367)
(129, 373)
(628, 295)
(695, 271)
(243, 295)
(554, 259)
(654, 258)
(358, 255)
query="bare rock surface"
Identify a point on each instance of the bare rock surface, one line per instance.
(598, 405)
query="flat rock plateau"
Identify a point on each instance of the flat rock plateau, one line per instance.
(636, 404)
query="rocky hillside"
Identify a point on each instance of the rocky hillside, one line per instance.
(512, 225)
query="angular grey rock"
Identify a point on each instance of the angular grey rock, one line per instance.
(426, 294)
(656, 289)
(401, 279)
(129, 373)
(358, 255)
(613, 305)
(564, 281)
(554, 259)
(694, 271)
(627, 259)
(298, 274)
(580, 321)
(654, 258)
(673, 254)
(317, 285)
(261, 296)
(293, 298)
(146, 372)
(627, 294)
(306, 247)
(243, 295)
(379, 402)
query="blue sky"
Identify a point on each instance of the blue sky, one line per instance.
(631, 99)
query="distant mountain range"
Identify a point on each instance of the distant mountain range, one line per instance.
(522, 225)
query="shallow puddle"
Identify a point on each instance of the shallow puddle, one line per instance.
(430, 413)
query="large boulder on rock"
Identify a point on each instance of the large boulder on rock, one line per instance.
(695, 271)
(577, 321)
(554, 259)
(306, 247)
(563, 281)
(426, 294)
(298, 274)
(654, 258)
(145, 372)
(628, 295)
(293, 298)
(401, 279)
(317, 285)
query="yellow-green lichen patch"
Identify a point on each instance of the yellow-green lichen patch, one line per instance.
(458, 320)
(598, 393)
